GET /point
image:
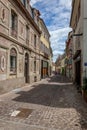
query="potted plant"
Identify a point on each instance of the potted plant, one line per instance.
(84, 89)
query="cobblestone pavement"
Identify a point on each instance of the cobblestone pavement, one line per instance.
(52, 104)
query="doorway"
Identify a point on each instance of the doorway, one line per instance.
(78, 72)
(26, 73)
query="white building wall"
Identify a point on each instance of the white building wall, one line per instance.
(84, 43)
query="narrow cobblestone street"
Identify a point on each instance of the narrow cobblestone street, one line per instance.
(51, 104)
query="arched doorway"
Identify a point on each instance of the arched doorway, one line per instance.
(26, 74)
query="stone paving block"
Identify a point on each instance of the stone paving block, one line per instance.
(56, 106)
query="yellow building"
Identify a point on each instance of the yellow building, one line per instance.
(63, 64)
(45, 50)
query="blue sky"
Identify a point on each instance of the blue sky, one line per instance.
(56, 14)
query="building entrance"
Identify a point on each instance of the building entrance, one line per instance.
(26, 68)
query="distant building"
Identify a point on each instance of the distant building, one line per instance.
(61, 65)
(53, 67)
(69, 56)
(58, 64)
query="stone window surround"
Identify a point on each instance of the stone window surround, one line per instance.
(13, 61)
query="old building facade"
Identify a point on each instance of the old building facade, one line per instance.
(58, 64)
(78, 23)
(61, 64)
(45, 50)
(69, 56)
(19, 44)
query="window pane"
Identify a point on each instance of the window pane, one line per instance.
(27, 33)
(13, 24)
(34, 66)
(13, 60)
(35, 40)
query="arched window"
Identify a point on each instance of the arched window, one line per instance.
(13, 60)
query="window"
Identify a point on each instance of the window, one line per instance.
(41, 47)
(13, 60)
(34, 40)
(24, 2)
(27, 35)
(28, 1)
(3, 11)
(79, 11)
(35, 66)
(14, 21)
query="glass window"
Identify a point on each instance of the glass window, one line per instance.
(27, 35)
(13, 60)
(34, 40)
(14, 22)
(35, 66)
(24, 2)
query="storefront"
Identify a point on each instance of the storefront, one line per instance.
(44, 69)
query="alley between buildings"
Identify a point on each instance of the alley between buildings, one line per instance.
(51, 104)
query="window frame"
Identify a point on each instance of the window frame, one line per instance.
(27, 34)
(35, 40)
(34, 66)
(13, 61)
(14, 24)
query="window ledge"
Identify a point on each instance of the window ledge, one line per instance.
(12, 73)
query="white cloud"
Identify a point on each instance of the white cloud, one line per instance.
(65, 3)
(58, 40)
(34, 2)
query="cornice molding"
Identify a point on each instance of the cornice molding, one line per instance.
(18, 43)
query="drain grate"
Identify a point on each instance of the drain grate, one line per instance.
(22, 112)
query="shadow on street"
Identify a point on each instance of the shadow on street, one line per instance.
(58, 92)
